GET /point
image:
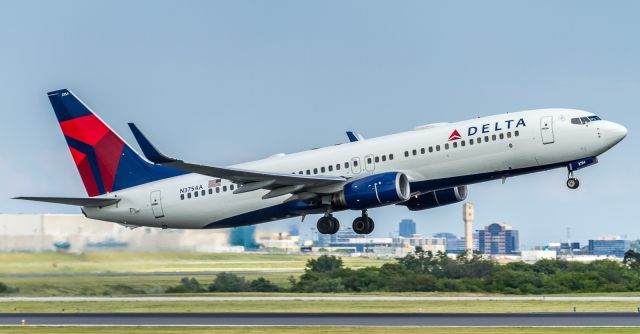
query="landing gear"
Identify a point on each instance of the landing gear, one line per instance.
(572, 182)
(328, 224)
(364, 224)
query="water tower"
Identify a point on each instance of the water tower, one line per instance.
(467, 216)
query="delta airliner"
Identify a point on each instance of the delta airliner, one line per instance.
(427, 167)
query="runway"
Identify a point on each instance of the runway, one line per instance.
(323, 319)
(171, 299)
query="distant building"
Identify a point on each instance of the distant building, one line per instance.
(609, 247)
(406, 245)
(498, 239)
(455, 245)
(244, 236)
(407, 228)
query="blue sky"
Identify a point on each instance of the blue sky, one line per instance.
(226, 82)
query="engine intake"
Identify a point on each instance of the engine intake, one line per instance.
(373, 191)
(437, 198)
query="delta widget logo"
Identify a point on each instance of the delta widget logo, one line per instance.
(455, 135)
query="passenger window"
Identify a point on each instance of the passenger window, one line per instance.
(346, 165)
(384, 158)
(438, 148)
(224, 188)
(479, 140)
(337, 166)
(471, 141)
(315, 171)
(502, 136)
(322, 169)
(430, 149)
(231, 187)
(182, 196)
(377, 159)
(390, 156)
(188, 195)
(446, 146)
(455, 144)
(210, 191)
(331, 168)
(508, 134)
(217, 190)
(369, 160)
(516, 133)
(300, 172)
(195, 194)
(415, 152)
(308, 172)
(493, 137)
(462, 143)
(355, 163)
(406, 153)
(422, 150)
(486, 139)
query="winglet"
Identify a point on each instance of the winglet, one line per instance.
(354, 136)
(150, 152)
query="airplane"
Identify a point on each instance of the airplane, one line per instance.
(427, 167)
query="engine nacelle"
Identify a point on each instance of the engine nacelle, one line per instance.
(437, 198)
(373, 191)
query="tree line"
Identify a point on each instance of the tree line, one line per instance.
(428, 272)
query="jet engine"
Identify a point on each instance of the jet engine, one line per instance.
(373, 191)
(436, 198)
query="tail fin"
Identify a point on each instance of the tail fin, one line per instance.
(105, 162)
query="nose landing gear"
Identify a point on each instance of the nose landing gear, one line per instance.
(572, 182)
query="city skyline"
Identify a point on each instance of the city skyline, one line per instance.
(223, 83)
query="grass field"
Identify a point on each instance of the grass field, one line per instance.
(320, 306)
(313, 330)
(24, 263)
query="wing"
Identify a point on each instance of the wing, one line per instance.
(279, 183)
(79, 201)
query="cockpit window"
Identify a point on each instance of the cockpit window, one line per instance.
(585, 120)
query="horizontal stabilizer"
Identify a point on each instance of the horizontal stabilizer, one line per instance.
(82, 201)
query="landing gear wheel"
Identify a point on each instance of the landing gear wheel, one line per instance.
(336, 225)
(328, 225)
(363, 225)
(573, 183)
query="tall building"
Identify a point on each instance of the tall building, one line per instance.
(609, 246)
(498, 239)
(407, 228)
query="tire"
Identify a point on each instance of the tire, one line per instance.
(370, 225)
(325, 225)
(359, 225)
(336, 225)
(573, 183)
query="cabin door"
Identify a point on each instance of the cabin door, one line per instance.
(546, 128)
(156, 204)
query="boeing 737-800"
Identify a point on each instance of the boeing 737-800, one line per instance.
(427, 167)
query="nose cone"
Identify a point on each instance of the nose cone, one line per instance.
(615, 133)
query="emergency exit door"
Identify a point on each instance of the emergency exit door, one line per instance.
(156, 204)
(546, 129)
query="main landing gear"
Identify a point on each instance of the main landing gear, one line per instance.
(572, 182)
(363, 224)
(328, 224)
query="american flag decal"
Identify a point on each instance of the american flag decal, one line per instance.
(214, 183)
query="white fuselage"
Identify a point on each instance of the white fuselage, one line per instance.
(494, 147)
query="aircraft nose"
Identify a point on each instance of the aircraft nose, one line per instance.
(616, 132)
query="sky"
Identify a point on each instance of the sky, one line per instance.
(221, 83)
